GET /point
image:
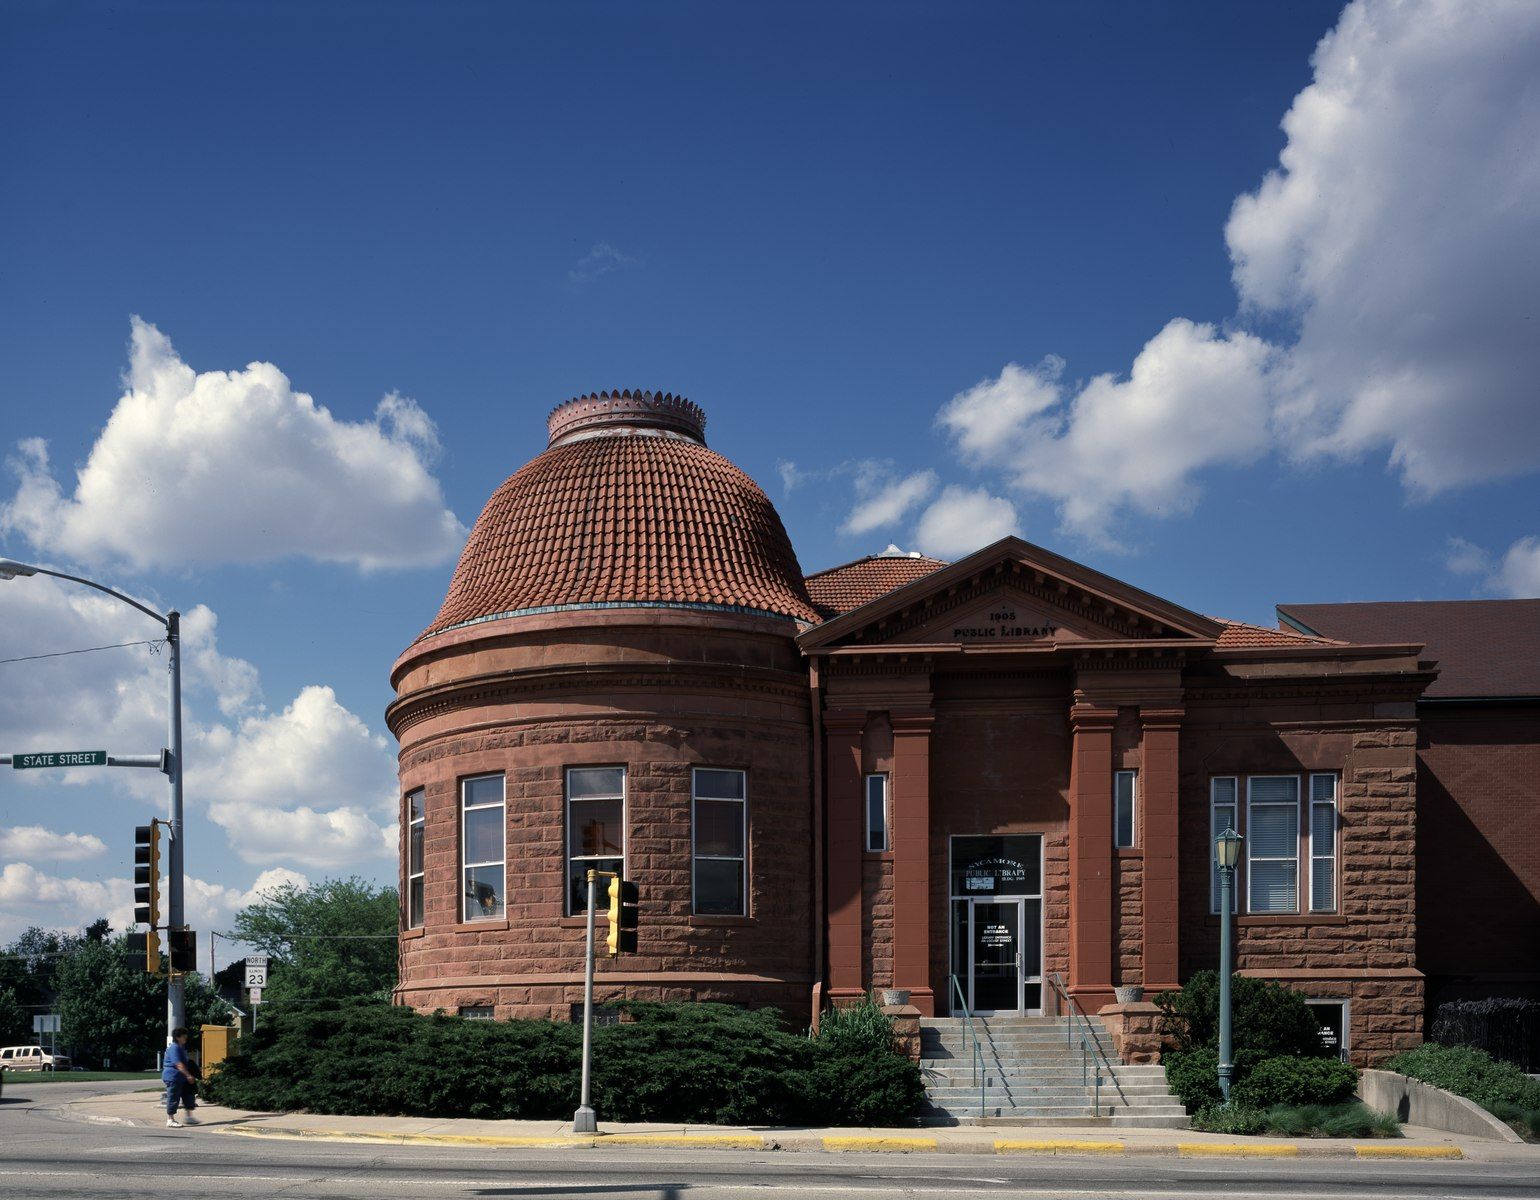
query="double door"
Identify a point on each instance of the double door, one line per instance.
(997, 953)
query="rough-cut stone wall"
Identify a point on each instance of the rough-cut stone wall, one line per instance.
(1478, 839)
(1001, 768)
(877, 927)
(1365, 949)
(1128, 916)
(499, 704)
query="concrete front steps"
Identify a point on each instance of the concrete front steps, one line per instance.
(1034, 1076)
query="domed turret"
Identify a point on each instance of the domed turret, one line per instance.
(626, 507)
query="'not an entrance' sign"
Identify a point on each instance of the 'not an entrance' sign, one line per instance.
(60, 758)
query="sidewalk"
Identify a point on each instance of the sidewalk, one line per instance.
(143, 1110)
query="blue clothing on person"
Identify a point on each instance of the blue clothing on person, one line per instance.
(174, 1054)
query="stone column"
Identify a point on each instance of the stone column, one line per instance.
(842, 731)
(1090, 855)
(911, 857)
(1158, 808)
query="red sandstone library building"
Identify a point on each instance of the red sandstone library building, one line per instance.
(977, 781)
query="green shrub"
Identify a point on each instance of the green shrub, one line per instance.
(1469, 1072)
(697, 1063)
(1306, 1120)
(1193, 1075)
(1352, 1120)
(1267, 1018)
(1296, 1081)
(1234, 1119)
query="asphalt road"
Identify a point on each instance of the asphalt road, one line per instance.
(44, 1155)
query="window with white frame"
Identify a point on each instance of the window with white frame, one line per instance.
(721, 837)
(876, 812)
(476, 1012)
(1272, 844)
(596, 825)
(416, 825)
(1124, 794)
(483, 836)
(1323, 843)
(1223, 814)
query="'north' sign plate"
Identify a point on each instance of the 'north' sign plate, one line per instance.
(62, 758)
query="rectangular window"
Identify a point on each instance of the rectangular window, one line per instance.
(416, 824)
(1323, 843)
(476, 1012)
(1222, 816)
(1272, 844)
(1123, 793)
(596, 829)
(483, 835)
(721, 834)
(876, 812)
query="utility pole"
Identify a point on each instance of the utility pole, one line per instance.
(170, 761)
(584, 1121)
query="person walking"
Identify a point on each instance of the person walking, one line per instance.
(181, 1083)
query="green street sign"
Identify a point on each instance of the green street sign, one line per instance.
(63, 758)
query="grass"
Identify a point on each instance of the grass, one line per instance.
(1351, 1120)
(15, 1077)
(1524, 1121)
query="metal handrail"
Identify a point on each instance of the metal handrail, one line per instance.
(979, 1077)
(1090, 1044)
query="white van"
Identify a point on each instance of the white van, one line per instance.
(32, 1058)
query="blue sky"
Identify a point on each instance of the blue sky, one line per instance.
(934, 272)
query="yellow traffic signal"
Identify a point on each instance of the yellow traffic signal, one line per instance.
(147, 874)
(146, 946)
(624, 899)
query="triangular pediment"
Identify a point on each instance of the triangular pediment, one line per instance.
(1012, 594)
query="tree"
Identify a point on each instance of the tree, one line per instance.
(333, 940)
(15, 1021)
(109, 1010)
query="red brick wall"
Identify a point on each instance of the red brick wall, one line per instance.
(530, 711)
(1000, 769)
(1478, 858)
(1365, 950)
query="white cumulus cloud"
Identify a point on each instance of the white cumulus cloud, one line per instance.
(311, 784)
(1398, 239)
(1401, 230)
(1518, 575)
(962, 520)
(237, 467)
(884, 499)
(19, 842)
(1193, 399)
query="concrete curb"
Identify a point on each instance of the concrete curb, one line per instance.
(857, 1144)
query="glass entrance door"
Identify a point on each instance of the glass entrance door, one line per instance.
(997, 923)
(996, 946)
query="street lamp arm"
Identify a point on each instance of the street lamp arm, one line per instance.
(10, 568)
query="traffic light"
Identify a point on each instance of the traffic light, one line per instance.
(184, 950)
(624, 898)
(147, 874)
(145, 948)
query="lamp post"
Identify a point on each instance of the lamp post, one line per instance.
(1227, 852)
(172, 622)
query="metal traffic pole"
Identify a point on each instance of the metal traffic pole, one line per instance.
(170, 762)
(584, 1121)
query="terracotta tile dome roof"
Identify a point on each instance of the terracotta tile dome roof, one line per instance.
(627, 506)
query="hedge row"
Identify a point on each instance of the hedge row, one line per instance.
(697, 1063)
(1471, 1073)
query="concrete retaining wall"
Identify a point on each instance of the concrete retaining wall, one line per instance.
(1417, 1103)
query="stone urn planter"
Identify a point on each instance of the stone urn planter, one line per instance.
(894, 996)
(1128, 995)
